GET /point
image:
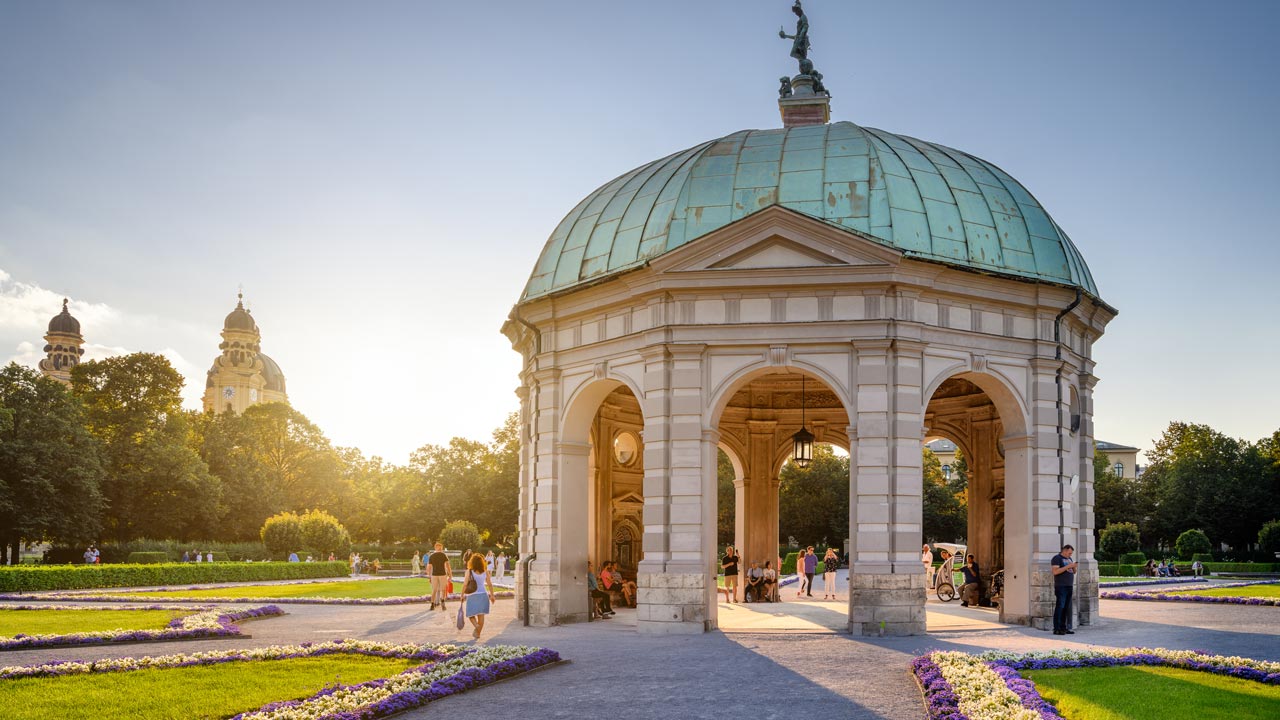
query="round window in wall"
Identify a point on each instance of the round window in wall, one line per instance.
(626, 446)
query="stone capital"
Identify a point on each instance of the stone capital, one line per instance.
(762, 427)
(1018, 442)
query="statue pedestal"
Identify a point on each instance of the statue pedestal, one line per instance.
(804, 106)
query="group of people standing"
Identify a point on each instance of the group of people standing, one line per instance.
(760, 584)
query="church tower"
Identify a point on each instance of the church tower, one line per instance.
(242, 375)
(62, 346)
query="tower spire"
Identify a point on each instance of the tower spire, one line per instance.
(803, 99)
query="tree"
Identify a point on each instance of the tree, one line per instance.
(467, 480)
(282, 534)
(50, 471)
(156, 485)
(813, 502)
(293, 457)
(726, 496)
(248, 498)
(1269, 537)
(1191, 542)
(460, 535)
(946, 514)
(1118, 539)
(322, 533)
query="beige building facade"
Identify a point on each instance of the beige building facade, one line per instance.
(242, 375)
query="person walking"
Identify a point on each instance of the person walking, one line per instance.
(1064, 578)
(477, 594)
(489, 561)
(730, 567)
(800, 572)
(830, 563)
(500, 569)
(810, 569)
(438, 562)
(415, 565)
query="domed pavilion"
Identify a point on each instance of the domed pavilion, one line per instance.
(822, 282)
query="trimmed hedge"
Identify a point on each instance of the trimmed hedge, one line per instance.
(1133, 558)
(39, 578)
(1202, 557)
(789, 563)
(1121, 570)
(148, 558)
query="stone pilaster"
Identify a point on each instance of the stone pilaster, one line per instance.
(887, 581)
(538, 529)
(1086, 594)
(673, 576)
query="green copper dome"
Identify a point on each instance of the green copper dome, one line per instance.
(927, 200)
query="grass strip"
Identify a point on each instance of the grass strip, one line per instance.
(66, 621)
(1260, 591)
(1153, 693)
(215, 691)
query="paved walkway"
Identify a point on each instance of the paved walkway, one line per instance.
(776, 674)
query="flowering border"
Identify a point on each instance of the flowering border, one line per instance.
(959, 686)
(1155, 581)
(448, 670)
(125, 598)
(1157, 596)
(207, 622)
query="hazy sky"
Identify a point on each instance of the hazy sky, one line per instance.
(382, 176)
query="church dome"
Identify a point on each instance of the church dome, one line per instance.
(927, 200)
(239, 319)
(272, 373)
(64, 323)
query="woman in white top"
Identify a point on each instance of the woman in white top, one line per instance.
(830, 561)
(477, 602)
(800, 572)
(926, 557)
(500, 566)
(489, 562)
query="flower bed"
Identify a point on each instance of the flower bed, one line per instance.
(448, 670)
(125, 598)
(1154, 581)
(1218, 599)
(989, 686)
(206, 623)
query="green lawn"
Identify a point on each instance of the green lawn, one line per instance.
(1264, 591)
(62, 622)
(337, 589)
(1154, 693)
(216, 691)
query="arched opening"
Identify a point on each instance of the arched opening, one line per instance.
(757, 418)
(601, 478)
(969, 419)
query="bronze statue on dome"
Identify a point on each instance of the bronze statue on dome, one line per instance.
(800, 45)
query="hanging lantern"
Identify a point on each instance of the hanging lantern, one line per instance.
(802, 441)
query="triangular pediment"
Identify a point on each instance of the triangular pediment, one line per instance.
(777, 238)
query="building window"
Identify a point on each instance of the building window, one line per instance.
(1118, 469)
(946, 471)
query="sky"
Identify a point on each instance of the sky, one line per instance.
(381, 177)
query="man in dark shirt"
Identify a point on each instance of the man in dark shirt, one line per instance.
(971, 590)
(439, 563)
(1064, 578)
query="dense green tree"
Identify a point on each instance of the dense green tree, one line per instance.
(1192, 542)
(726, 496)
(1118, 539)
(467, 480)
(293, 457)
(282, 534)
(1269, 537)
(461, 535)
(946, 515)
(1204, 479)
(813, 502)
(248, 497)
(156, 484)
(323, 534)
(49, 466)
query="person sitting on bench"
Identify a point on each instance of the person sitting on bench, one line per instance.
(755, 583)
(770, 582)
(598, 595)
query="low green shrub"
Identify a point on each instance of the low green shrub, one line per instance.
(789, 563)
(40, 578)
(1202, 557)
(1229, 567)
(1118, 570)
(1133, 558)
(147, 558)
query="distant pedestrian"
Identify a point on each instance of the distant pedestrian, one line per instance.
(88, 555)
(730, 567)
(186, 556)
(438, 562)
(810, 568)
(501, 568)
(416, 564)
(199, 557)
(477, 594)
(830, 563)
(1064, 577)
(489, 561)
(209, 557)
(926, 557)
(800, 572)
(293, 557)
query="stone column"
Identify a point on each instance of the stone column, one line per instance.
(1053, 521)
(573, 544)
(673, 574)
(760, 494)
(1086, 594)
(1016, 604)
(887, 580)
